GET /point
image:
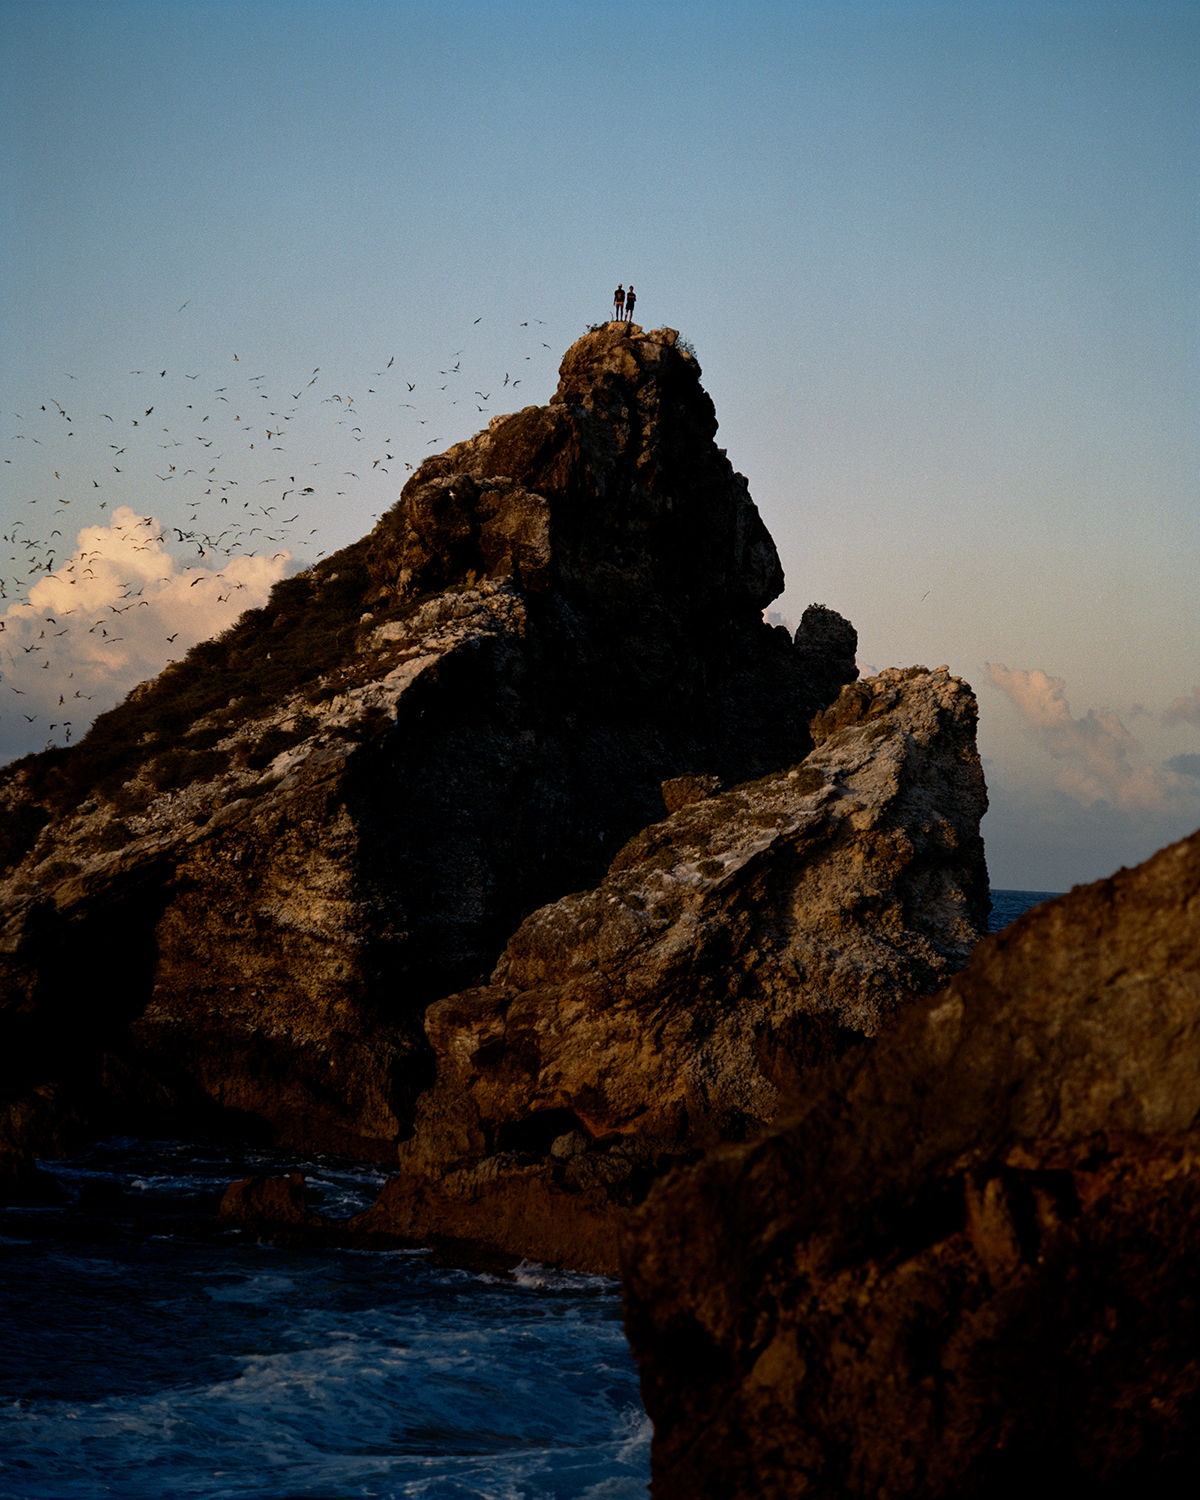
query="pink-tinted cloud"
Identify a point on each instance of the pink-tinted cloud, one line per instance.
(1095, 750)
(116, 612)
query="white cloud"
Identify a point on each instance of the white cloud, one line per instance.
(116, 612)
(1096, 750)
(1184, 710)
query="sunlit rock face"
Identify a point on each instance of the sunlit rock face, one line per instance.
(753, 935)
(967, 1261)
(234, 899)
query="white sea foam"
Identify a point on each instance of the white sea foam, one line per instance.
(143, 1366)
(530, 1274)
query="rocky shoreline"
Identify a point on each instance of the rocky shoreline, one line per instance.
(511, 847)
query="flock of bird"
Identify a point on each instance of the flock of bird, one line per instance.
(173, 477)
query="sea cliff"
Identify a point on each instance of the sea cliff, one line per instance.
(312, 882)
(511, 848)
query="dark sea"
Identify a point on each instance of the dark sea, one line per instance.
(1007, 906)
(144, 1359)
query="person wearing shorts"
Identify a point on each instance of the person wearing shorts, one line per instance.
(618, 303)
(630, 299)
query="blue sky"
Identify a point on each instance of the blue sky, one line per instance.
(938, 262)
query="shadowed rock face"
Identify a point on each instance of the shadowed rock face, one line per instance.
(968, 1260)
(827, 645)
(614, 496)
(752, 935)
(235, 898)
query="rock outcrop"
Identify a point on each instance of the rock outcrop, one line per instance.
(968, 1260)
(233, 901)
(752, 935)
(269, 1200)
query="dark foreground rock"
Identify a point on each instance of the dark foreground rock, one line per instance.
(970, 1260)
(753, 934)
(283, 849)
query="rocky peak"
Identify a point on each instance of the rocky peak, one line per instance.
(614, 494)
(294, 840)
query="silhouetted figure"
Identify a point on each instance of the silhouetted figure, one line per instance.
(630, 299)
(618, 303)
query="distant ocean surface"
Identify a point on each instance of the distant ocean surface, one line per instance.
(141, 1363)
(1007, 906)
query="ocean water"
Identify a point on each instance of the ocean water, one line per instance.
(144, 1358)
(137, 1360)
(1007, 906)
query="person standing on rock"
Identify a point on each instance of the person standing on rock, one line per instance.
(618, 303)
(630, 299)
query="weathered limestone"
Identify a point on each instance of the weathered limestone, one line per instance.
(753, 934)
(285, 847)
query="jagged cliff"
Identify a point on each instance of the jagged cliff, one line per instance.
(238, 894)
(967, 1261)
(384, 870)
(755, 933)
